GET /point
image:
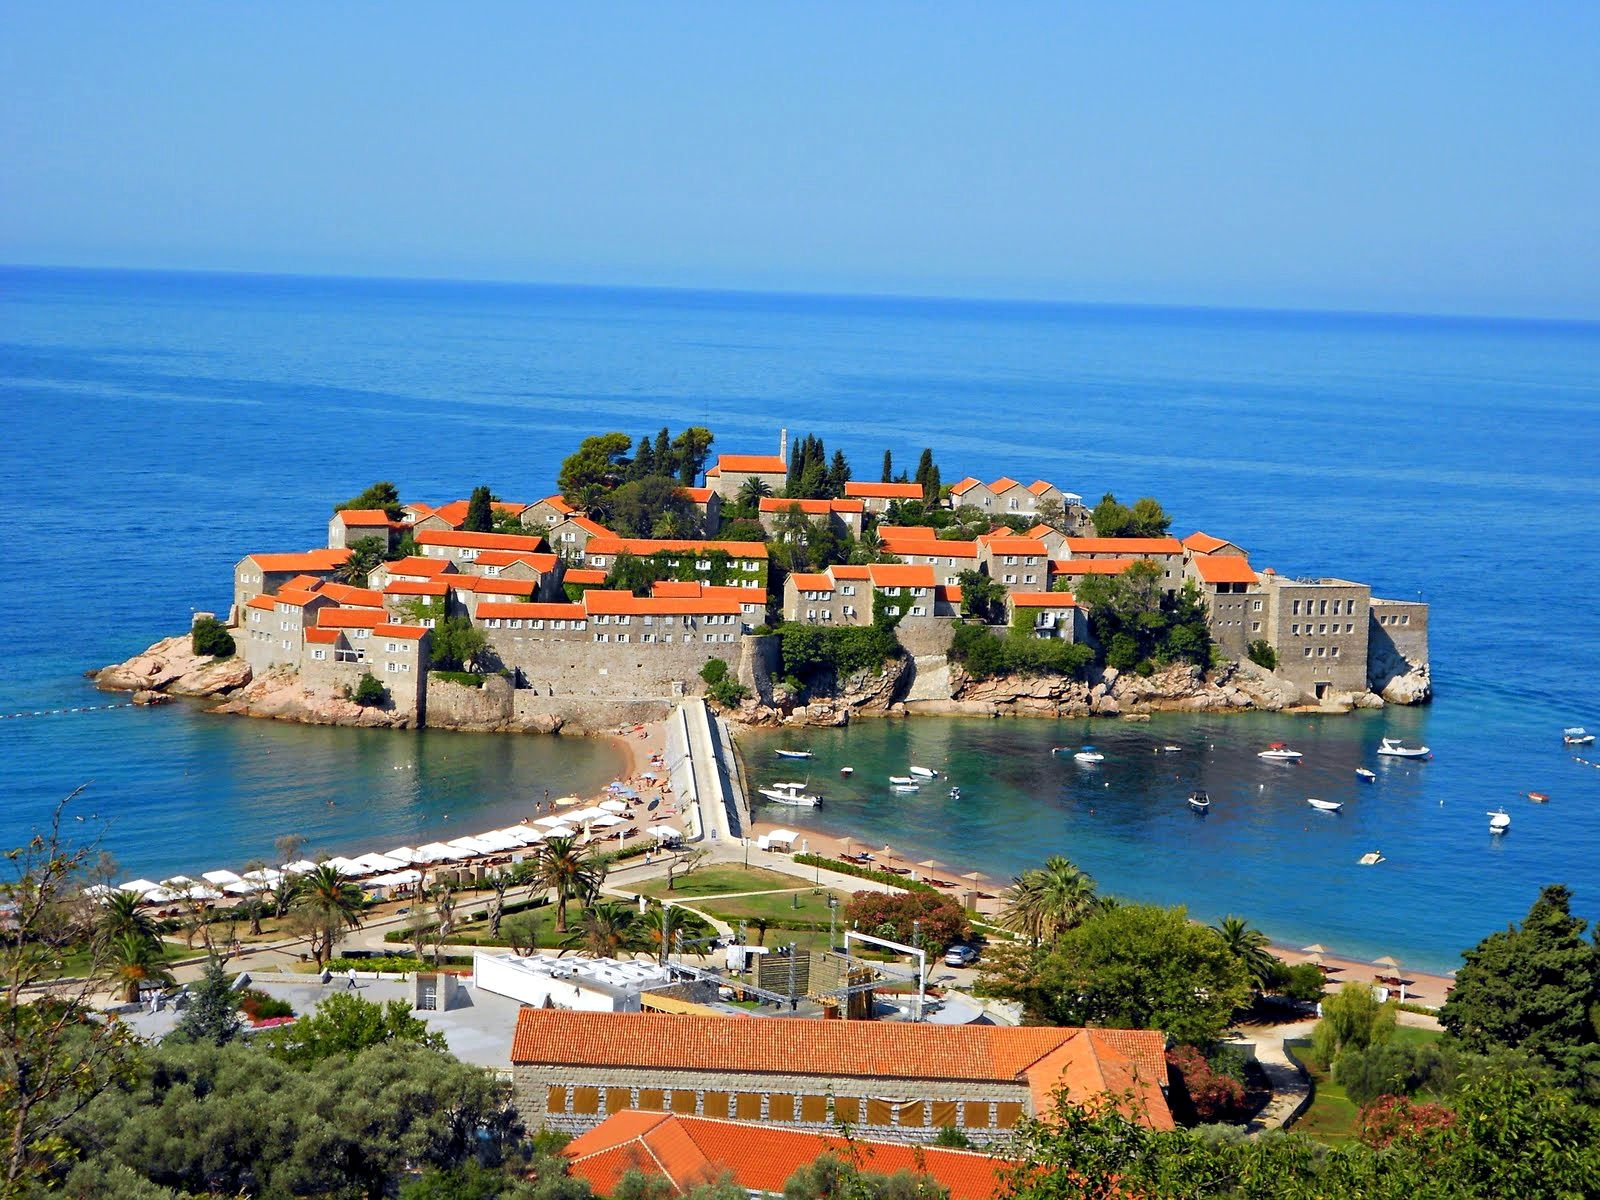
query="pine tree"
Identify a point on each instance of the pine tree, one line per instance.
(644, 460)
(663, 454)
(888, 467)
(838, 474)
(480, 512)
(210, 1015)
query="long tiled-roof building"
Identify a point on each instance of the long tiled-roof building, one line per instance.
(902, 1082)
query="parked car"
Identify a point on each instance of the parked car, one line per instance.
(960, 956)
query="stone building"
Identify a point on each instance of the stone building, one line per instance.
(707, 510)
(844, 515)
(1055, 614)
(350, 525)
(274, 627)
(462, 546)
(1235, 608)
(948, 558)
(263, 574)
(877, 497)
(846, 594)
(1166, 552)
(1318, 629)
(735, 564)
(897, 1081)
(732, 471)
(1017, 563)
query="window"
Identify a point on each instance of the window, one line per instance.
(917, 610)
(319, 655)
(1322, 651)
(1349, 627)
(1011, 579)
(751, 565)
(389, 667)
(893, 610)
(1406, 620)
(1255, 606)
(711, 637)
(598, 560)
(1294, 629)
(1334, 653)
(1308, 651)
(622, 637)
(1255, 626)
(1011, 560)
(702, 564)
(1030, 579)
(1322, 608)
(391, 647)
(1323, 628)
(1296, 608)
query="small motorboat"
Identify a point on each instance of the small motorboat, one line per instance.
(955, 793)
(1366, 776)
(1539, 797)
(901, 780)
(1395, 748)
(793, 753)
(905, 787)
(847, 770)
(1499, 821)
(1279, 752)
(923, 772)
(792, 794)
(1371, 858)
(1200, 802)
(1577, 736)
(1324, 805)
(1172, 749)
(1089, 755)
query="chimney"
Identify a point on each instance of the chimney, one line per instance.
(783, 443)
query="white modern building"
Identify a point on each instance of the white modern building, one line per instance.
(585, 984)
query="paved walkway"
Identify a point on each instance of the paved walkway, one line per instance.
(1291, 1086)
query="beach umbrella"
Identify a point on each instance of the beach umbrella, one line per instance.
(139, 886)
(222, 878)
(889, 852)
(471, 845)
(565, 800)
(1388, 960)
(345, 866)
(178, 883)
(158, 895)
(666, 832)
(404, 854)
(299, 867)
(265, 876)
(523, 835)
(975, 876)
(375, 863)
(613, 806)
(100, 891)
(1315, 948)
(607, 821)
(241, 888)
(551, 822)
(932, 864)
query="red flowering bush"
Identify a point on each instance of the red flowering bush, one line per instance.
(941, 920)
(1391, 1117)
(1212, 1095)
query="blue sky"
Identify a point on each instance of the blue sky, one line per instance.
(1409, 157)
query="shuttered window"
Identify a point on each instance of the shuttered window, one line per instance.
(747, 1106)
(975, 1114)
(913, 1115)
(880, 1112)
(618, 1099)
(944, 1114)
(556, 1100)
(585, 1101)
(1007, 1114)
(715, 1104)
(847, 1109)
(814, 1109)
(650, 1099)
(780, 1108)
(683, 1101)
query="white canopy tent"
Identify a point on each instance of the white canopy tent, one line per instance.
(524, 835)
(242, 888)
(498, 841)
(396, 879)
(787, 836)
(562, 831)
(551, 822)
(606, 821)
(139, 886)
(345, 866)
(222, 878)
(666, 833)
(471, 845)
(404, 854)
(100, 891)
(180, 882)
(299, 867)
(371, 864)
(265, 876)
(613, 806)
(439, 852)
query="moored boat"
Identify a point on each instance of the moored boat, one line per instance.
(923, 772)
(1366, 776)
(901, 780)
(847, 770)
(793, 753)
(1396, 748)
(1499, 821)
(792, 794)
(1324, 805)
(1577, 736)
(1089, 755)
(905, 787)
(1279, 752)
(1200, 802)
(1371, 858)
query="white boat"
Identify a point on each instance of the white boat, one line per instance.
(901, 780)
(1089, 755)
(1371, 858)
(1577, 736)
(923, 772)
(1499, 821)
(1395, 748)
(793, 753)
(1366, 776)
(1172, 749)
(1324, 805)
(1200, 802)
(955, 793)
(1278, 752)
(847, 770)
(792, 794)
(905, 787)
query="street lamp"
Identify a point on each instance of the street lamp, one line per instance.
(833, 912)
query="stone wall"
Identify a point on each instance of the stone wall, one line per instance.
(983, 1109)
(633, 670)
(1397, 651)
(453, 705)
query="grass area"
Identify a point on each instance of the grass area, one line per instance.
(721, 880)
(803, 906)
(1410, 1035)
(1331, 1117)
(76, 965)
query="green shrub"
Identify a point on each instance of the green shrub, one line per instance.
(1263, 655)
(259, 1006)
(715, 671)
(1144, 668)
(858, 872)
(1394, 1069)
(369, 693)
(983, 654)
(211, 636)
(464, 678)
(808, 651)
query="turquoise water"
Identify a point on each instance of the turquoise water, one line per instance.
(157, 427)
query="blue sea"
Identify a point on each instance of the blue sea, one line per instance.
(158, 426)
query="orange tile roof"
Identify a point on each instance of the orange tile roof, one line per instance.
(302, 583)
(1041, 1057)
(925, 533)
(298, 597)
(900, 575)
(700, 495)
(603, 602)
(559, 503)
(1090, 566)
(1041, 530)
(948, 592)
(592, 528)
(1223, 568)
(1039, 487)
(1043, 600)
(326, 637)
(1011, 543)
(483, 585)
(850, 571)
(555, 612)
(964, 486)
(1127, 545)
(692, 1150)
(885, 491)
(456, 511)
(264, 602)
(411, 633)
(418, 564)
(583, 575)
(806, 582)
(1004, 484)
(1204, 543)
(313, 561)
(847, 506)
(364, 516)
(345, 594)
(352, 618)
(610, 544)
(756, 464)
(674, 587)
(931, 547)
(538, 560)
(481, 541)
(782, 504)
(417, 587)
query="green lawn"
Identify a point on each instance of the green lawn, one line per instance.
(1409, 1035)
(1331, 1118)
(801, 906)
(719, 881)
(76, 964)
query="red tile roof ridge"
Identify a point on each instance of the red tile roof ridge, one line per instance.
(752, 464)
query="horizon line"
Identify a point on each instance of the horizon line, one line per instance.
(927, 298)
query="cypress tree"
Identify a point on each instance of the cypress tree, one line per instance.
(480, 513)
(838, 474)
(888, 467)
(663, 454)
(924, 468)
(644, 460)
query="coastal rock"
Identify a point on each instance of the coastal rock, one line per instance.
(1396, 678)
(282, 696)
(150, 697)
(1368, 700)
(171, 665)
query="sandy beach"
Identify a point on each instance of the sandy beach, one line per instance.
(1420, 987)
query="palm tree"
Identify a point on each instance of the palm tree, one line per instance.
(330, 903)
(123, 916)
(752, 492)
(658, 927)
(605, 930)
(563, 866)
(133, 960)
(1046, 901)
(1249, 946)
(671, 525)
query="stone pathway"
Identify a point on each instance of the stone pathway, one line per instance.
(1291, 1087)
